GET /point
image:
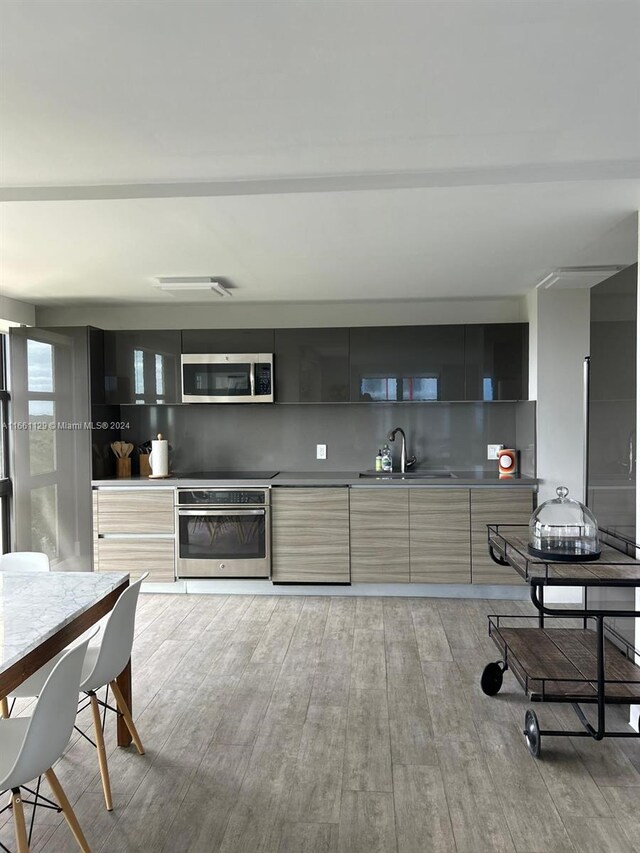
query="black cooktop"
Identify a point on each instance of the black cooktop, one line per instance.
(229, 475)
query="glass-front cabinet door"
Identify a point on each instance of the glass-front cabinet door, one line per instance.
(407, 363)
(142, 366)
(496, 361)
(312, 365)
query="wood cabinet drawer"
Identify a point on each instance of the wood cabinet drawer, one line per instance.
(155, 556)
(146, 510)
(440, 535)
(310, 535)
(495, 506)
(379, 535)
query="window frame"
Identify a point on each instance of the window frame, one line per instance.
(6, 484)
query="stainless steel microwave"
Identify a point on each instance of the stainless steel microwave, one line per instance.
(231, 378)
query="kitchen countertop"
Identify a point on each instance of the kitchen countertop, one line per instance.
(328, 478)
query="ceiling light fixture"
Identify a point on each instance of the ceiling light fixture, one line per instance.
(192, 283)
(576, 277)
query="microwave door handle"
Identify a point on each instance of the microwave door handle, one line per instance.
(252, 378)
(230, 511)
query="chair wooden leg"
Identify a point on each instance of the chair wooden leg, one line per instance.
(124, 710)
(67, 811)
(4, 708)
(102, 752)
(18, 818)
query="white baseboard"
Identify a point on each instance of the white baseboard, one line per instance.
(265, 587)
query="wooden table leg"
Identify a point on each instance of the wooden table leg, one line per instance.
(124, 683)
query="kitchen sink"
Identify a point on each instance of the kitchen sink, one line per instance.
(408, 475)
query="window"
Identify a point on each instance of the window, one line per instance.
(5, 480)
(39, 367)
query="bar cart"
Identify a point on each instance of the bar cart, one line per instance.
(592, 664)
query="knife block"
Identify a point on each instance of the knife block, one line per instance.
(123, 467)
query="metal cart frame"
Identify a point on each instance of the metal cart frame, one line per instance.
(604, 673)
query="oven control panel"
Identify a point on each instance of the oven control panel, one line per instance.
(223, 497)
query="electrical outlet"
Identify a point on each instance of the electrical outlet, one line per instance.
(321, 451)
(493, 450)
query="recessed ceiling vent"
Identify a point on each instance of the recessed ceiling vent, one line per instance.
(192, 284)
(570, 278)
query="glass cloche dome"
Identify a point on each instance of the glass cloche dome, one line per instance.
(564, 529)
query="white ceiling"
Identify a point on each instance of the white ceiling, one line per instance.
(513, 129)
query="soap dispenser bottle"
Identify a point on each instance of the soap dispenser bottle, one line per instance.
(379, 461)
(386, 458)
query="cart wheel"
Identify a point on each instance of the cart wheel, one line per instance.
(532, 733)
(491, 680)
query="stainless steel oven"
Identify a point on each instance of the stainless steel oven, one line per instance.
(223, 533)
(231, 378)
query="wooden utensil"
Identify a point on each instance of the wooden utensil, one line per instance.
(115, 446)
(126, 448)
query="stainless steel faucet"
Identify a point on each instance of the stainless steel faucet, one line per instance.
(404, 462)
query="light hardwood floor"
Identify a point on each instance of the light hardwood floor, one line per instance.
(338, 725)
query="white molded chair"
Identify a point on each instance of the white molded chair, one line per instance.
(102, 665)
(24, 561)
(29, 746)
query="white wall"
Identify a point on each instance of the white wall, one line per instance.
(230, 314)
(13, 312)
(634, 715)
(558, 343)
(532, 315)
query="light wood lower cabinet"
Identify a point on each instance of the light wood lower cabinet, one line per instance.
(431, 534)
(310, 535)
(137, 556)
(134, 531)
(440, 535)
(495, 506)
(148, 510)
(379, 535)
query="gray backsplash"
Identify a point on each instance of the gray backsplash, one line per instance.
(526, 437)
(284, 437)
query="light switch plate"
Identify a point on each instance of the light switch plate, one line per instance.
(321, 451)
(493, 450)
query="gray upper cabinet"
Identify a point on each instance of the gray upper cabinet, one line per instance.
(142, 366)
(312, 365)
(331, 365)
(211, 341)
(407, 363)
(496, 359)
(96, 366)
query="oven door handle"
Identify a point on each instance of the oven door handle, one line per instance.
(204, 512)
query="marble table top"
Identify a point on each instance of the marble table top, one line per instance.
(36, 605)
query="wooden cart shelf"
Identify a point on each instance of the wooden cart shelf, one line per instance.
(560, 664)
(614, 568)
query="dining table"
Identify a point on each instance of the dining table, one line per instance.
(41, 613)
